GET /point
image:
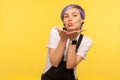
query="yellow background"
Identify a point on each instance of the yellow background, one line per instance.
(24, 34)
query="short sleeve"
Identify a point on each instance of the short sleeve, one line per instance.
(84, 47)
(54, 38)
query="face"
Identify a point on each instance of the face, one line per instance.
(72, 19)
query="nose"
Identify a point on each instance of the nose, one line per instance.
(69, 19)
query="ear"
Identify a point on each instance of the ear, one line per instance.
(82, 21)
(63, 24)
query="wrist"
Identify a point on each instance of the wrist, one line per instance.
(73, 38)
(73, 42)
(63, 41)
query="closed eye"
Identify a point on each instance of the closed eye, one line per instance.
(75, 15)
(65, 16)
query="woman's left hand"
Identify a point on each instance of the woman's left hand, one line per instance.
(73, 34)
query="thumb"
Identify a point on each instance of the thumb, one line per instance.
(81, 31)
(58, 29)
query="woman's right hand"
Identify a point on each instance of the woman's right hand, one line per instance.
(63, 34)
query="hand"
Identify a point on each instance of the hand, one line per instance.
(63, 34)
(73, 34)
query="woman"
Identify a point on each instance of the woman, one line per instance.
(63, 42)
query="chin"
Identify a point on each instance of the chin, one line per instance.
(71, 28)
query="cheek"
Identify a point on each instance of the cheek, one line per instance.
(77, 19)
(64, 22)
(78, 22)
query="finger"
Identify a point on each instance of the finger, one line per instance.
(72, 32)
(81, 31)
(58, 29)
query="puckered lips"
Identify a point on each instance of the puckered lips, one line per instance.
(70, 24)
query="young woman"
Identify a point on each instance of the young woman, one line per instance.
(63, 41)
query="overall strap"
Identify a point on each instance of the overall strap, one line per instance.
(79, 41)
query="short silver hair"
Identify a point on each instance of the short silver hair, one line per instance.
(81, 10)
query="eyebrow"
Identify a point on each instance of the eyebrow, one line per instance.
(72, 13)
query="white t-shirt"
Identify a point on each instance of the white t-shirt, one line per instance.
(53, 43)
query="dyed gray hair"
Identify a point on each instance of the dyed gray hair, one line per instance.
(81, 10)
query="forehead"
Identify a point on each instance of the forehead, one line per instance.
(72, 10)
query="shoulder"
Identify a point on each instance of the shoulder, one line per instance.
(53, 29)
(87, 40)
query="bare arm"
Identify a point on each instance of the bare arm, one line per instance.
(72, 58)
(57, 54)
